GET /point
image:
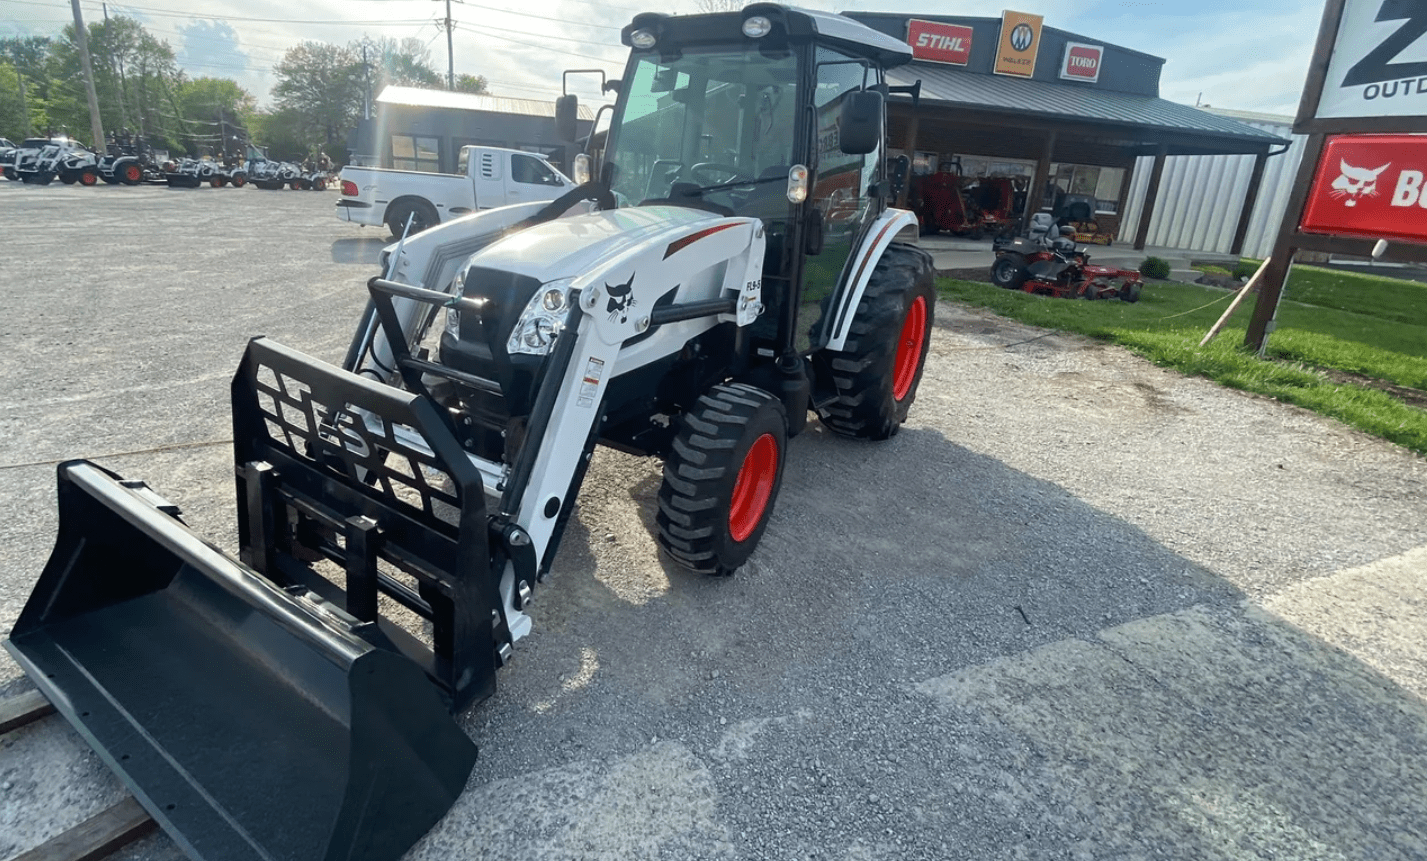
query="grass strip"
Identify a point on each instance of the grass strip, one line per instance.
(1376, 338)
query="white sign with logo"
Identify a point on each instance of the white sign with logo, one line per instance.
(1379, 62)
(1082, 62)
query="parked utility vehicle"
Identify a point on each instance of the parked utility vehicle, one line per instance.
(741, 271)
(489, 177)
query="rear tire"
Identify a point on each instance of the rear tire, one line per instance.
(239, 180)
(423, 217)
(68, 178)
(131, 174)
(11, 175)
(1131, 292)
(721, 478)
(880, 366)
(89, 177)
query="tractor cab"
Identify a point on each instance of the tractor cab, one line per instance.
(771, 113)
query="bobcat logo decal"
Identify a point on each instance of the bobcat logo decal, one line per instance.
(621, 299)
(1356, 182)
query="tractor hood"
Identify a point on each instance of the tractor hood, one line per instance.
(567, 247)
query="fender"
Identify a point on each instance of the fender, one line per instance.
(860, 266)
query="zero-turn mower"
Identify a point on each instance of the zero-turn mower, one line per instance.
(727, 265)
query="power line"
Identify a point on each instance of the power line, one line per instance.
(541, 47)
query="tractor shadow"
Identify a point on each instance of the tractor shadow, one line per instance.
(1037, 643)
(359, 250)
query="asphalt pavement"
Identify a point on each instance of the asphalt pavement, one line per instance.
(1080, 607)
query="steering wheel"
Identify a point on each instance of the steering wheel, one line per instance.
(714, 173)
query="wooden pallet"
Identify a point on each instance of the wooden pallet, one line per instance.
(96, 836)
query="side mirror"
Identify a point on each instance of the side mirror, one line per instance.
(566, 113)
(861, 123)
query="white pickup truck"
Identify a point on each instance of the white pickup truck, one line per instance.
(490, 177)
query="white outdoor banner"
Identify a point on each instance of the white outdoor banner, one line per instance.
(1379, 63)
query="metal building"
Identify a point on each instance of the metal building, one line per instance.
(1201, 198)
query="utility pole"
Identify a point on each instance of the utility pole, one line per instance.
(96, 125)
(450, 53)
(367, 74)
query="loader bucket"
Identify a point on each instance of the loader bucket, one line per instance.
(251, 721)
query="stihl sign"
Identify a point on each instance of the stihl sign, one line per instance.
(1370, 185)
(939, 43)
(1082, 62)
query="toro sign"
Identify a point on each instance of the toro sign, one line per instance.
(1082, 62)
(939, 43)
(1370, 185)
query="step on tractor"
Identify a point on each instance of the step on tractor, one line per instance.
(728, 264)
(1048, 262)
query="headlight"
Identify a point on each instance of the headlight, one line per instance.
(756, 27)
(457, 289)
(642, 39)
(541, 321)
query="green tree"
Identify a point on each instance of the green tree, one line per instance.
(471, 84)
(322, 85)
(28, 58)
(214, 111)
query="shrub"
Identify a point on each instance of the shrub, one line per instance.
(1155, 267)
(1245, 269)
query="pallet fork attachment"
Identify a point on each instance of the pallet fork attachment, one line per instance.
(271, 707)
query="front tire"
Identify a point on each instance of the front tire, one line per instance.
(1008, 272)
(880, 366)
(721, 478)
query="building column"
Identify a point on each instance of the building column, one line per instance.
(1151, 197)
(1036, 193)
(1250, 199)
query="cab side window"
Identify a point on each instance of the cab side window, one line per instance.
(532, 171)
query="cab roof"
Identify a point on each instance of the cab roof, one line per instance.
(790, 24)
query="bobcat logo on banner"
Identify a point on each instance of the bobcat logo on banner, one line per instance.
(1373, 186)
(1378, 67)
(1355, 182)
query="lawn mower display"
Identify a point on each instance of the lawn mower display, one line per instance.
(693, 299)
(1049, 263)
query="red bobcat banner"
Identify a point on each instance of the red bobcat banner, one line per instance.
(1370, 185)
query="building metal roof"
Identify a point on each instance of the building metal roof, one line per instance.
(418, 97)
(1084, 104)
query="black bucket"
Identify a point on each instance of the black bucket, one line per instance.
(252, 722)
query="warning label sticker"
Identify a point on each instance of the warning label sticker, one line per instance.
(590, 385)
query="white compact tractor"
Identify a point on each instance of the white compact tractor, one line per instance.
(726, 266)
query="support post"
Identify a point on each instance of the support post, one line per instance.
(1142, 232)
(1261, 324)
(1251, 198)
(1036, 193)
(914, 122)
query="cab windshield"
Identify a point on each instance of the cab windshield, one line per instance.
(714, 125)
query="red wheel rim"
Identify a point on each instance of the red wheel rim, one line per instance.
(754, 487)
(87, 178)
(132, 173)
(909, 348)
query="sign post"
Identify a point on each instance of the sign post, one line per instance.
(1363, 178)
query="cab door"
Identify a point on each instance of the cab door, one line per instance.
(840, 193)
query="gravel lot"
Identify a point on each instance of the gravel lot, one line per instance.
(1080, 607)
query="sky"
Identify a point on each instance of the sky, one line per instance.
(1247, 55)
